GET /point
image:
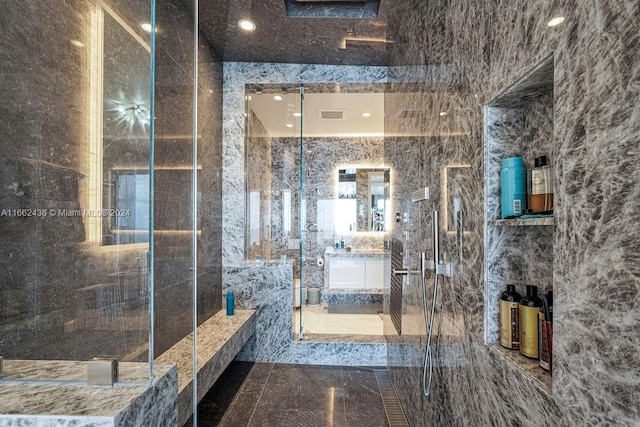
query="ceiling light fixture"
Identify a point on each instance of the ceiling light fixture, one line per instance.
(366, 114)
(556, 21)
(246, 24)
(297, 114)
(277, 98)
(77, 43)
(146, 27)
(443, 113)
(289, 125)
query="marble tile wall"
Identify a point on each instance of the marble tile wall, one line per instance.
(368, 9)
(267, 288)
(595, 250)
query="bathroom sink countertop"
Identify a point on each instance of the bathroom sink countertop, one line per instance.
(360, 253)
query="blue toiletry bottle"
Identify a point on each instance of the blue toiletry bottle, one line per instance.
(513, 187)
(230, 303)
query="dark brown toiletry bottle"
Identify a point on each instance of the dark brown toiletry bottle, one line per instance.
(510, 318)
(545, 332)
(540, 187)
(529, 308)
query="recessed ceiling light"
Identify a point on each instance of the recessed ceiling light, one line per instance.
(556, 21)
(146, 27)
(246, 24)
(366, 114)
(289, 125)
(77, 43)
(277, 98)
(443, 113)
(297, 114)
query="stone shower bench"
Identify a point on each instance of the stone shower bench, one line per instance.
(220, 339)
(65, 400)
(132, 402)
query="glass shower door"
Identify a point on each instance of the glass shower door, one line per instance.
(75, 200)
(273, 230)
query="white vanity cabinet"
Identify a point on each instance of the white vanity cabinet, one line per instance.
(355, 272)
(374, 273)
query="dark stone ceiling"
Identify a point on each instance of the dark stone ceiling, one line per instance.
(318, 40)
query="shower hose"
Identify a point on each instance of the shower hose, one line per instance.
(427, 366)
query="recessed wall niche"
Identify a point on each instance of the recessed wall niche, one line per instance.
(519, 121)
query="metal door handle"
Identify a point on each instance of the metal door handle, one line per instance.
(404, 272)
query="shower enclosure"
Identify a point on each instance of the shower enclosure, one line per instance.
(316, 178)
(109, 196)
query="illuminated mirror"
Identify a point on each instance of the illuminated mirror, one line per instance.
(118, 196)
(363, 195)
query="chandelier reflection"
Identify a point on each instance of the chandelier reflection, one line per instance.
(131, 112)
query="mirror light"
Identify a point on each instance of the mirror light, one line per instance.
(556, 21)
(246, 24)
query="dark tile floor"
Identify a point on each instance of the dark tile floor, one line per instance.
(267, 394)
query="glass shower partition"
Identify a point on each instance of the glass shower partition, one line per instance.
(274, 227)
(75, 203)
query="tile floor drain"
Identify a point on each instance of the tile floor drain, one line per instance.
(395, 414)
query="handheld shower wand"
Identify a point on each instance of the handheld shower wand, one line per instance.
(439, 267)
(427, 366)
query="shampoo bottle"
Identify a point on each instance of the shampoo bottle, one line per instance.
(510, 318)
(513, 187)
(545, 331)
(230, 304)
(529, 308)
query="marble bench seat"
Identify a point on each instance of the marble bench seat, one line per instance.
(134, 401)
(220, 338)
(42, 404)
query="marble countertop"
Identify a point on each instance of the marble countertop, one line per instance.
(359, 253)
